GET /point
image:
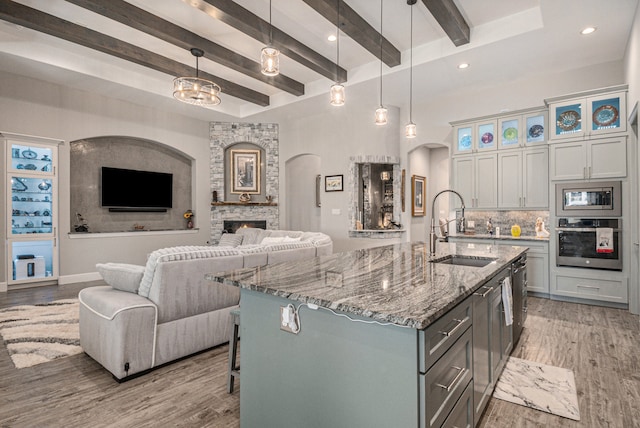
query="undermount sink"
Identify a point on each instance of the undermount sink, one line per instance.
(464, 260)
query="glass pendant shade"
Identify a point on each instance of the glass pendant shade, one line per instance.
(337, 95)
(381, 116)
(270, 61)
(410, 130)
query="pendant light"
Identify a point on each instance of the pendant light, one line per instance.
(337, 90)
(381, 112)
(410, 129)
(270, 56)
(194, 90)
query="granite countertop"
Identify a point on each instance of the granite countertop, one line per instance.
(390, 284)
(502, 237)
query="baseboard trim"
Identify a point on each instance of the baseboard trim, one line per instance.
(80, 277)
(3, 287)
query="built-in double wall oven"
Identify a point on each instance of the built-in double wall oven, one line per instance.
(589, 225)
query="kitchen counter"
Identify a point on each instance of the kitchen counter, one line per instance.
(394, 283)
(372, 353)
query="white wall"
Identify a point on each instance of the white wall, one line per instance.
(44, 109)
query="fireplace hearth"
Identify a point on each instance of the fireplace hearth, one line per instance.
(230, 226)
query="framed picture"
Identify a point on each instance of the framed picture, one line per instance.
(402, 189)
(333, 183)
(418, 195)
(245, 171)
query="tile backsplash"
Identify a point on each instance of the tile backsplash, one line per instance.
(505, 219)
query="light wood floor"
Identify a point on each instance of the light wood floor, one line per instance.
(601, 346)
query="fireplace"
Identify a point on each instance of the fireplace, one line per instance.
(230, 226)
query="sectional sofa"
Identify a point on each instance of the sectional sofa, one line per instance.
(154, 314)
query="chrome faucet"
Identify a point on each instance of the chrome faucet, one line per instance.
(432, 235)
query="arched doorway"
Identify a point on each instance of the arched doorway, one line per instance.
(301, 208)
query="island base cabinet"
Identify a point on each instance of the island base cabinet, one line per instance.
(445, 382)
(333, 373)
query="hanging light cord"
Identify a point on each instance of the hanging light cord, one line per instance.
(270, 27)
(381, 4)
(411, 69)
(338, 43)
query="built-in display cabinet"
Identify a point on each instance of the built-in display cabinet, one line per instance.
(32, 195)
(526, 129)
(590, 114)
(474, 137)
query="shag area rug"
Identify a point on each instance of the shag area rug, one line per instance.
(35, 334)
(539, 386)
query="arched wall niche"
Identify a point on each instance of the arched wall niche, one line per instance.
(89, 155)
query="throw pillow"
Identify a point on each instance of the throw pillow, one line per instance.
(230, 240)
(121, 276)
(272, 240)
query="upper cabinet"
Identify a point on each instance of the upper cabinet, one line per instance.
(31, 158)
(522, 130)
(589, 114)
(473, 137)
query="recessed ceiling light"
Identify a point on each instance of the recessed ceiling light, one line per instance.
(588, 30)
(463, 65)
(332, 38)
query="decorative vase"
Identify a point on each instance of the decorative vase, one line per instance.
(515, 230)
(190, 224)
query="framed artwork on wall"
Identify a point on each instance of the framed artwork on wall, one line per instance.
(333, 183)
(245, 171)
(418, 195)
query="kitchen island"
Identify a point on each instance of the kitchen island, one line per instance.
(363, 345)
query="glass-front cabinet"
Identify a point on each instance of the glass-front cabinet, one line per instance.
(602, 112)
(523, 130)
(32, 197)
(475, 137)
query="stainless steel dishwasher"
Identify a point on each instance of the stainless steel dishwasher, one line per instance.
(519, 289)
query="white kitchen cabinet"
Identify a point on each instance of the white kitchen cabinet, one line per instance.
(588, 115)
(474, 137)
(522, 178)
(602, 287)
(589, 159)
(475, 177)
(526, 129)
(538, 267)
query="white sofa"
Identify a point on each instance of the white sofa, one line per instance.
(154, 314)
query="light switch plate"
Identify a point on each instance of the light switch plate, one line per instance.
(335, 211)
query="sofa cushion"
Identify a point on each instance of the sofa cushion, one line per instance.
(230, 240)
(178, 253)
(121, 276)
(252, 235)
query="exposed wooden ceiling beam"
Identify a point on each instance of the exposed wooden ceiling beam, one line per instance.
(252, 25)
(137, 18)
(357, 28)
(54, 26)
(450, 19)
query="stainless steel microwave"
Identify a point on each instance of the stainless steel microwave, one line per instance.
(589, 199)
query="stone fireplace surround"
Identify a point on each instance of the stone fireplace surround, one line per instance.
(224, 135)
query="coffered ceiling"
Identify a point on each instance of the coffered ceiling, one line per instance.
(133, 49)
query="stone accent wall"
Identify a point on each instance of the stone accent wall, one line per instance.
(222, 135)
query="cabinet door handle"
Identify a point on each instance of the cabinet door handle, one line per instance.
(584, 172)
(489, 290)
(589, 171)
(524, 201)
(459, 324)
(461, 372)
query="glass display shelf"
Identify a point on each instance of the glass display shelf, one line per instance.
(31, 205)
(31, 158)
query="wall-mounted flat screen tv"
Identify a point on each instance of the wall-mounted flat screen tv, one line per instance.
(134, 190)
